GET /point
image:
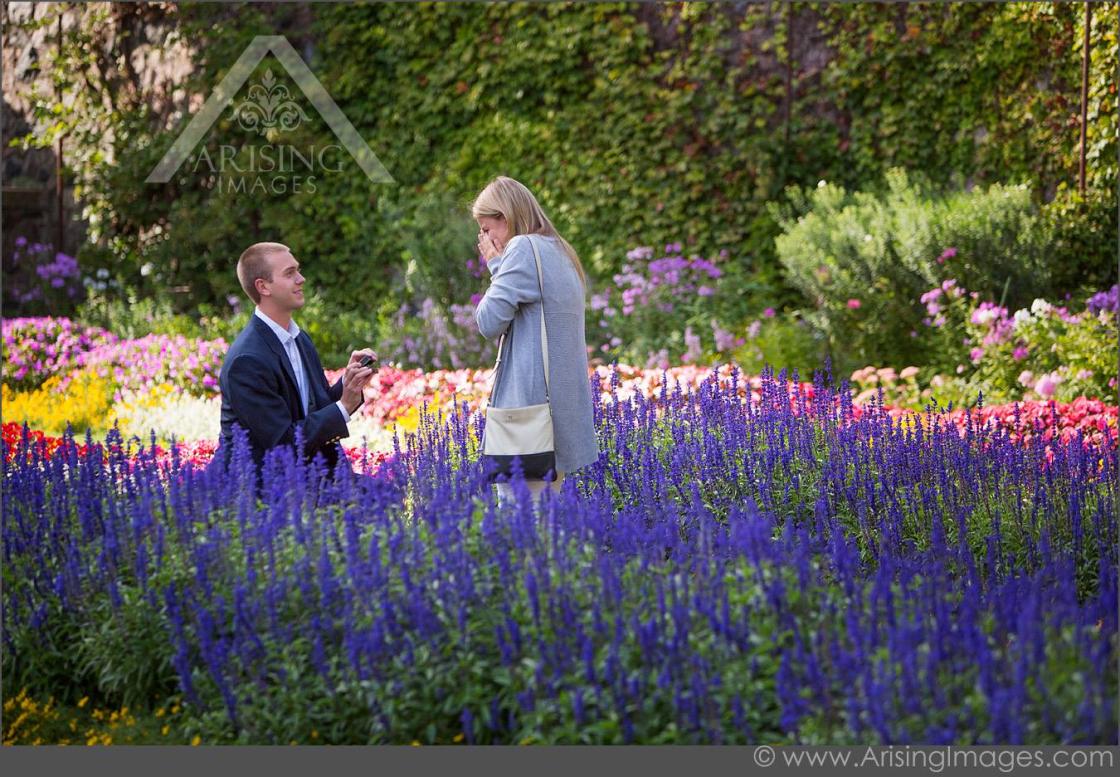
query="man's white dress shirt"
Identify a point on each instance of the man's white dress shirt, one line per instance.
(288, 340)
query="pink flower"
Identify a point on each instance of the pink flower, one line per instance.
(1020, 353)
(976, 354)
(1048, 384)
(948, 253)
(768, 313)
(853, 304)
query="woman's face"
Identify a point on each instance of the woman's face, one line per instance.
(496, 228)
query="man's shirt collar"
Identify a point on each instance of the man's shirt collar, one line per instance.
(285, 335)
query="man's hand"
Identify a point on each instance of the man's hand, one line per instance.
(356, 357)
(355, 379)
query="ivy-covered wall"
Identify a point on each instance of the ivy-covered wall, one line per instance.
(634, 124)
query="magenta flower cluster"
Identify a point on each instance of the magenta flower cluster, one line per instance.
(36, 348)
(190, 364)
(932, 299)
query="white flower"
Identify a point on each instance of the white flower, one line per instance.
(182, 416)
(1040, 307)
(1022, 317)
(984, 316)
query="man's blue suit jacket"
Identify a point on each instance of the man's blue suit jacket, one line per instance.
(259, 392)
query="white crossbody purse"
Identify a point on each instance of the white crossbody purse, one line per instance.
(523, 433)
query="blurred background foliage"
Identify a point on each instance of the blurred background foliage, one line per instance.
(635, 124)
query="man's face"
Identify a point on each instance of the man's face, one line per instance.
(286, 287)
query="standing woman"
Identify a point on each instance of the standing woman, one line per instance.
(509, 217)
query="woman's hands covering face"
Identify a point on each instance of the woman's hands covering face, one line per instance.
(488, 247)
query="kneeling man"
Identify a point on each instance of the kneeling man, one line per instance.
(272, 381)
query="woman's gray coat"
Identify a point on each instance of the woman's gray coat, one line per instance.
(514, 296)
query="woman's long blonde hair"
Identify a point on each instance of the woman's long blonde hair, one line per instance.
(512, 201)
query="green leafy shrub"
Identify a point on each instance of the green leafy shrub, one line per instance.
(1081, 232)
(130, 315)
(782, 341)
(863, 257)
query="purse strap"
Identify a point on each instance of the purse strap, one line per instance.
(544, 335)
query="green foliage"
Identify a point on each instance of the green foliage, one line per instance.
(129, 315)
(1081, 234)
(864, 258)
(44, 660)
(438, 236)
(336, 333)
(659, 121)
(127, 651)
(785, 342)
(976, 347)
(983, 92)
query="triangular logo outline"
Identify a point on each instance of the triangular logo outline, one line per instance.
(224, 94)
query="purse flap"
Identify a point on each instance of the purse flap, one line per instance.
(514, 431)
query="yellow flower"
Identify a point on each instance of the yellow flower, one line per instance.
(314, 734)
(416, 743)
(91, 741)
(175, 710)
(458, 738)
(164, 730)
(160, 712)
(196, 741)
(83, 701)
(86, 403)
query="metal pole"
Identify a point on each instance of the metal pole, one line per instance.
(60, 244)
(1084, 97)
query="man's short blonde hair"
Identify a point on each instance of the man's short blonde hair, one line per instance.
(254, 264)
